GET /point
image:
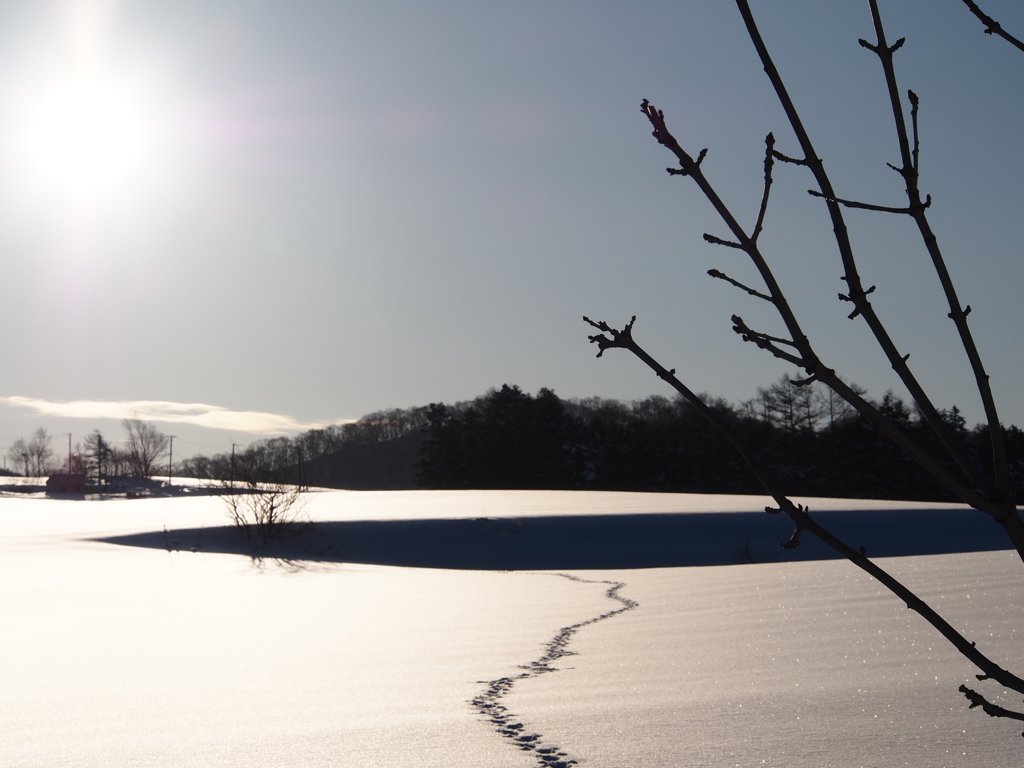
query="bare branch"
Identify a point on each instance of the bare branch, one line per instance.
(787, 159)
(741, 327)
(868, 206)
(865, 310)
(992, 27)
(801, 517)
(916, 152)
(989, 496)
(990, 709)
(719, 241)
(1002, 511)
(743, 241)
(865, 44)
(722, 276)
(617, 339)
(769, 149)
(997, 490)
(764, 341)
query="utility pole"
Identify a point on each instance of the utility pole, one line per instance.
(170, 459)
(233, 445)
(69, 450)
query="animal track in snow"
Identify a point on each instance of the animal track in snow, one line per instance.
(505, 723)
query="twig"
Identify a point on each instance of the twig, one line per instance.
(868, 206)
(787, 159)
(916, 152)
(769, 150)
(617, 339)
(990, 709)
(722, 276)
(854, 300)
(992, 27)
(764, 341)
(727, 243)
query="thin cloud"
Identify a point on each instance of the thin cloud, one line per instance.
(200, 414)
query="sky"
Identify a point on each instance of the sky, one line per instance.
(244, 219)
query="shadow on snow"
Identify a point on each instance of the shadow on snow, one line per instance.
(597, 541)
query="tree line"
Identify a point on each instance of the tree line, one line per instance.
(813, 441)
(144, 451)
(144, 447)
(292, 459)
(509, 439)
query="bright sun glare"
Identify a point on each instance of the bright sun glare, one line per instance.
(85, 136)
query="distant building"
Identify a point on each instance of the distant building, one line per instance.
(65, 483)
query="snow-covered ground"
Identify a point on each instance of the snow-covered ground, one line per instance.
(345, 654)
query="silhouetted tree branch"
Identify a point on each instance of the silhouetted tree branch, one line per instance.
(992, 27)
(990, 709)
(990, 494)
(804, 355)
(612, 338)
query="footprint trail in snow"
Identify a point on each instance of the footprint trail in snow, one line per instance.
(506, 723)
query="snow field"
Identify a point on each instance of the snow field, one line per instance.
(126, 656)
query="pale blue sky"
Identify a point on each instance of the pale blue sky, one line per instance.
(344, 207)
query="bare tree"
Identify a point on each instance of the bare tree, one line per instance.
(146, 446)
(40, 454)
(263, 510)
(120, 463)
(260, 496)
(33, 455)
(987, 490)
(18, 454)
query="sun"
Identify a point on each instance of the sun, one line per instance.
(86, 136)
